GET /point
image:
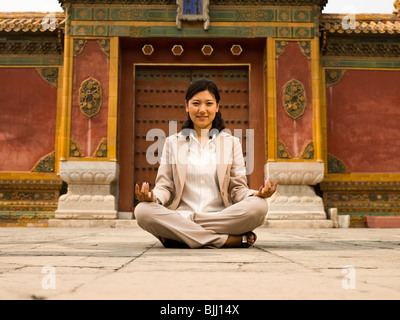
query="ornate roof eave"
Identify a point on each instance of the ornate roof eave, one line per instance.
(321, 3)
(360, 24)
(32, 22)
(362, 35)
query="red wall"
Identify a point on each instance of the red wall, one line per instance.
(295, 134)
(28, 111)
(363, 113)
(88, 133)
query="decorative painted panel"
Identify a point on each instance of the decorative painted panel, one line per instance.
(171, 31)
(90, 97)
(362, 198)
(46, 164)
(102, 21)
(294, 99)
(217, 14)
(33, 196)
(50, 75)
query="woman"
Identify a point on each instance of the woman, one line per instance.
(201, 198)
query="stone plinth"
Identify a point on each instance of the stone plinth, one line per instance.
(92, 190)
(295, 199)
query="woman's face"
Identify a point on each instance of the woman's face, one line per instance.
(202, 108)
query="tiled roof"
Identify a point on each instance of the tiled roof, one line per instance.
(331, 23)
(31, 22)
(212, 2)
(361, 23)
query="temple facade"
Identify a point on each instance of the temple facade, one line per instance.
(88, 96)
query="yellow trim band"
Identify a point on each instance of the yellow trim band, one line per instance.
(113, 100)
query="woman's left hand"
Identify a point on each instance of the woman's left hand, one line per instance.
(267, 191)
(144, 194)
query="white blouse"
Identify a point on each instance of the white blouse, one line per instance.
(201, 192)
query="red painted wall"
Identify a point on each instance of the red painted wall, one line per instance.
(295, 134)
(88, 133)
(28, 111)
(363, 113)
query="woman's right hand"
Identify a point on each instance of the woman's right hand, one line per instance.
(143, 194)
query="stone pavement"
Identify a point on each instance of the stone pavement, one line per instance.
(128, 263)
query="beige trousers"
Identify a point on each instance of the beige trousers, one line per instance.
(202, 230)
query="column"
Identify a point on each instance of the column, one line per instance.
(88, 142)
(295, 144)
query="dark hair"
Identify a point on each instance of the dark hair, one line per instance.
(200, 86)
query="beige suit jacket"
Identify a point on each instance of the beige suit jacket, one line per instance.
(231, 170)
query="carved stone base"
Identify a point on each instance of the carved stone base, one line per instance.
(91, 190)
(299, 224)
(295, 199)
(293, 202)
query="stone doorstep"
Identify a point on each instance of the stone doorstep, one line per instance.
(298, 224)
(125, 220)
(382, 222)
(75, 223)
(121, 223)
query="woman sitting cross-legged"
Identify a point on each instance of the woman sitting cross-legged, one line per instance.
(201, 198)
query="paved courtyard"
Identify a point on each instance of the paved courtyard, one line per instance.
(128, 263)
